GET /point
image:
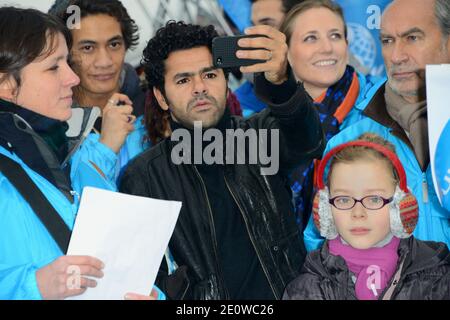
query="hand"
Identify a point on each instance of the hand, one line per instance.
(117, 121)
(66, 276)
(135, 296)
(274, 52)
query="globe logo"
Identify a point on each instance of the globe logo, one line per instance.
(362, 44)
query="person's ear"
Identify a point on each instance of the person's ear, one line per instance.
(160, 98)
(8, 87)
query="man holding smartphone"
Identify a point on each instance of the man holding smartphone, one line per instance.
(236, 236)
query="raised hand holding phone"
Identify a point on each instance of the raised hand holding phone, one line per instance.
(224, 52)
(271, 48)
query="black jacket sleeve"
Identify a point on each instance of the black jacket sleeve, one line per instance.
(292, 112)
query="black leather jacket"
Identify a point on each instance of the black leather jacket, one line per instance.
(264, 201)
(425, 275)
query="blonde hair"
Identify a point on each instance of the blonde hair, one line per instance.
(355, 153)
(287, 26)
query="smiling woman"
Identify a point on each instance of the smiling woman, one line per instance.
(318, 50)
(316, 35)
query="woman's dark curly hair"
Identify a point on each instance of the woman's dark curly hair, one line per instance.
(113, 8)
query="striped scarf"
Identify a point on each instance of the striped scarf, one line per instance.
(332, 107)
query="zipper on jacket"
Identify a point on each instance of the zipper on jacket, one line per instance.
(392, 281)
(428, 213)
(213, 235)
(75, 195)
(424, 188)
(252, 240)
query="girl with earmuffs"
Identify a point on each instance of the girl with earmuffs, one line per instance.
(367, 215)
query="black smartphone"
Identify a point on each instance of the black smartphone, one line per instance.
(224, 52)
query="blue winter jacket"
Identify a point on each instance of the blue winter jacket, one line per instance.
(250, 103)
(135, 144)
(442, 166)
(25, 244)
(434, 223)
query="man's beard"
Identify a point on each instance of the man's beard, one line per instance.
(188, 122)
(395, 85)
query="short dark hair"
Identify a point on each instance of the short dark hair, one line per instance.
(287, 4)
(26, 34)
(113, 8)
(174, 36)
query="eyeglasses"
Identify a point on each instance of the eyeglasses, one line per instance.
(368, 202)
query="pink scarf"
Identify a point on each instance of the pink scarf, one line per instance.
(372, 267)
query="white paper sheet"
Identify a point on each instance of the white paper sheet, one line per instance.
(438, 109)
(129, 234)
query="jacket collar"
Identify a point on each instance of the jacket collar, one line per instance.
(38, 141)
(376, 110)
(417, 256)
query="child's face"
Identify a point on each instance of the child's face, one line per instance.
(360, 227)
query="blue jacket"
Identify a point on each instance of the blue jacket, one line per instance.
(25, 244)
(433, 221)
(442, 166)
(246, 96)
(368, 86)
(133, 146)
(84, 118)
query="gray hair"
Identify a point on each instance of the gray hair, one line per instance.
(442, 12)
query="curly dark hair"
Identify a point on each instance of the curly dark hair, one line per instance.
(156, 119)
(172, 37)
(113, 8)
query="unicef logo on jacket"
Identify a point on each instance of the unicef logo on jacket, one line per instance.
(442, 166)
(362, 44)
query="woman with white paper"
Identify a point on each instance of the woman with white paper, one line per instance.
(39, 197)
